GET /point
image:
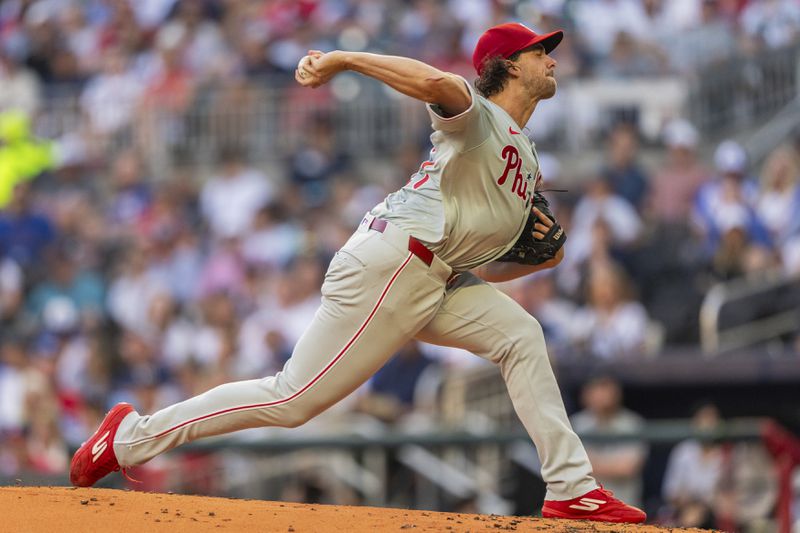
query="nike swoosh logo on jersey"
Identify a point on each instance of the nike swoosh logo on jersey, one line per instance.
(512, 132)
(588, 504)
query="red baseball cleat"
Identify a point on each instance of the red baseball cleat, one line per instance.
(95, 458)
(599, 505)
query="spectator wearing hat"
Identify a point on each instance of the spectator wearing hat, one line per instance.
(727, 201)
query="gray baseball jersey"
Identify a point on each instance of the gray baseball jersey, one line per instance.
(468, 204)
(469, 201)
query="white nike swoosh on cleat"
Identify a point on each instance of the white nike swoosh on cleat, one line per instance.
(100, 446)
(588, 504)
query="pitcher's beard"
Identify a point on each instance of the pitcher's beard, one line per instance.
(549, 89)
(544, 88)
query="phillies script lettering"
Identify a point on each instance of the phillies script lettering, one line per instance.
(514, 168)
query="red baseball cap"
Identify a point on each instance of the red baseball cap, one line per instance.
(507, 39)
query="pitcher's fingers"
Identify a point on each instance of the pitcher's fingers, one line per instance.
(307, 81)
(538, 235)
(311, 64)
(541, 227)
(541, 216)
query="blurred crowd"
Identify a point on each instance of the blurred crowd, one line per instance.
(162, 52)
(119, 284)
(707, 482)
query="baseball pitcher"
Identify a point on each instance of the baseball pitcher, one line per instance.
(417, 267)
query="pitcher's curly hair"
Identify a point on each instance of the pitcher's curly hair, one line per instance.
(494, 75)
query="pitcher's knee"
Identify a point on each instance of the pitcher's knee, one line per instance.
(293, 421)
(297, 415)
(525, 340)
(294, 418)
(289, 411)
(532, 332)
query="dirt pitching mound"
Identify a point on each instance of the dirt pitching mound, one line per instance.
(59, 509)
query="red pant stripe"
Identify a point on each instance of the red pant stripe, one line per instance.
(319, 376)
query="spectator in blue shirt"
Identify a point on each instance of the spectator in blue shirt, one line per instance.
(728, 200)
(393, 388)
(24, 233)
(66, 279)
(623, 171)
